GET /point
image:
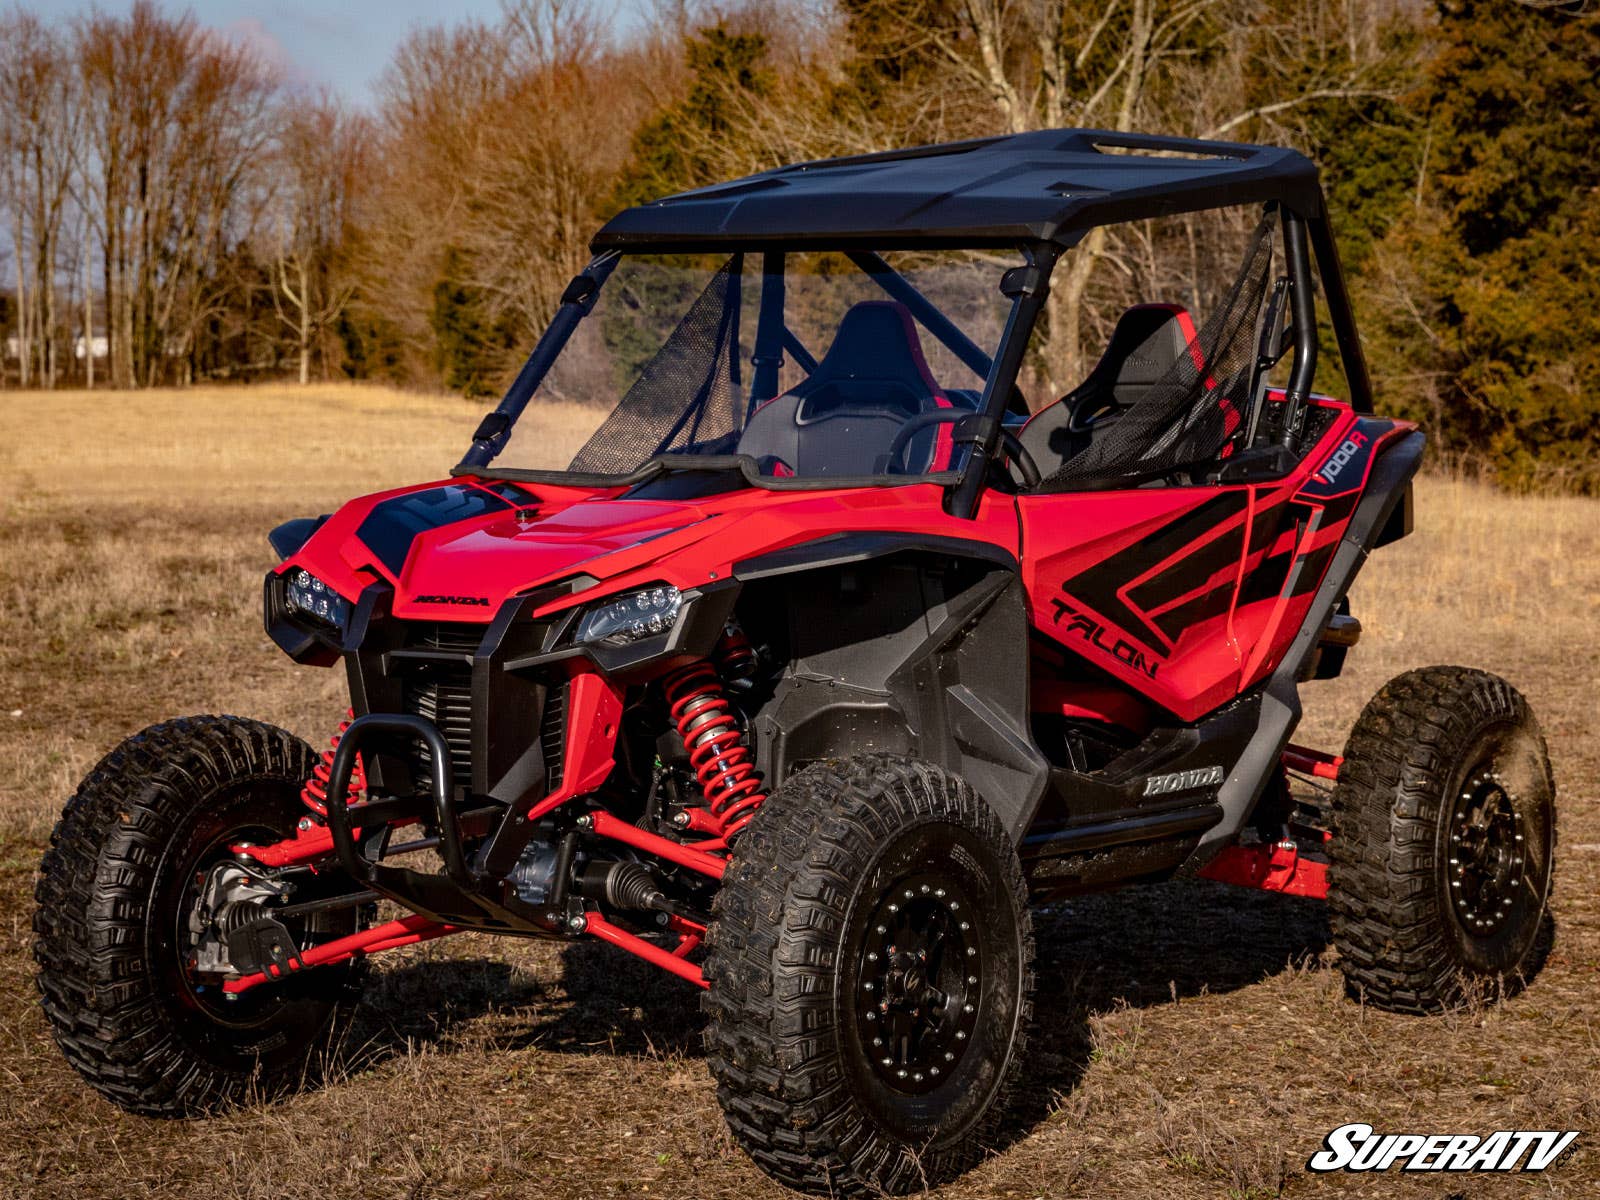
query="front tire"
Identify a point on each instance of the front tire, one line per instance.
(1444, 837)
(871, 973)
(114, 892)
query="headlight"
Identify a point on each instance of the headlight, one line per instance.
(308, 596)
(632, 617)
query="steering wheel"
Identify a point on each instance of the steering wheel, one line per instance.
(1015, 450)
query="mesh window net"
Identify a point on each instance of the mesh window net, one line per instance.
(1191, 412)
(687, 393)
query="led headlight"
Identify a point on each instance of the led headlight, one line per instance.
(308, 596)
(632, 617)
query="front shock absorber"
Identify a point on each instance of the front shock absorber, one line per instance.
(315, 792)
(717, 753)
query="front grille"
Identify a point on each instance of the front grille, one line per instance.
(553, 734)
(442, 693)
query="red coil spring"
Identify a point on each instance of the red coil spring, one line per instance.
(315, 792)
(717, 752)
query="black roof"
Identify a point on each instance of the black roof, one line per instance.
(1051, 185)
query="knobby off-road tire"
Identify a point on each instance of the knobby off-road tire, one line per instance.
(114, 893)
(876, 898)
(1444, 835)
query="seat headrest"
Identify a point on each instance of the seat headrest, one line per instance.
(877, 339)
(1147, 341)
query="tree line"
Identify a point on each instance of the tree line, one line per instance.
(173, 202)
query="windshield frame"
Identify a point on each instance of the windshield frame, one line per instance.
(998, 373)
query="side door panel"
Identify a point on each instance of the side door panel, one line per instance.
(1141, 584)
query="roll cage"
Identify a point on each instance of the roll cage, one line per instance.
(1038, 194)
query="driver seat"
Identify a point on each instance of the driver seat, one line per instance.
(841, 419)
(1147, 341)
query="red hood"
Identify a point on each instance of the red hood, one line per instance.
(455, 550)
(496, 556)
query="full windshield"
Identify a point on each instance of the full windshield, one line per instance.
(807, 365)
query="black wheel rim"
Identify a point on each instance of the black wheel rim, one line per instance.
(1485, 854)
(920, 983)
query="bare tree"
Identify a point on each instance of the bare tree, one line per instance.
(178, 119)
(38, 126)
(322, 159)
(496, 144)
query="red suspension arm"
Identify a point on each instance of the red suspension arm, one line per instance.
(407, 931)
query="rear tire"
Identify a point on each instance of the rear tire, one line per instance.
(871, 973)
(1444, 837)
(114, 891)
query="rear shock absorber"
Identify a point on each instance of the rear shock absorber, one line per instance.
(710, 732)
(315, 792)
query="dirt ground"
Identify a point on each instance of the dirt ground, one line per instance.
(1193, 1041)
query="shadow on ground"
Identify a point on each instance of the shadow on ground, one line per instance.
(1138, 947)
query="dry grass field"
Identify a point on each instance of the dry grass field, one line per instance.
(1193, 1041)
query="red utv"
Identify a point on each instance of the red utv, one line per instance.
(824, 659)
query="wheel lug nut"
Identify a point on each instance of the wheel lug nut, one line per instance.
(901, 1073)
(971, 950)
(966, 1008)
(971, 979)
(881, 929)
(909, 893)
(949, 1056)
(939, 892)
(894, 908)
(872, 956)
(923, 889)
(888, 1062)
(965, 925)
(961, 1035)
(867, 986)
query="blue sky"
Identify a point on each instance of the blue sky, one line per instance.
(342, 43)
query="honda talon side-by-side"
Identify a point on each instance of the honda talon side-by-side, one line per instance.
(836, 648)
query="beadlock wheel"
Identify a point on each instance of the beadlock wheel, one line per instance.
(1484, 868)
(1444, 841)
(871, 971)
(919, 964)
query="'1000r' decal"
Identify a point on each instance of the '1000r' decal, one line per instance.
(1093, 632)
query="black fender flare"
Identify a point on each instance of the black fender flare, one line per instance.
(903, 643)
(1387, 493)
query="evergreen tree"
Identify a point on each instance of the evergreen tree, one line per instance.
(679, 147)
(470, 346)
(1513, 117)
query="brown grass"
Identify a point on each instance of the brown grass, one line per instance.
(1194, 1041)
